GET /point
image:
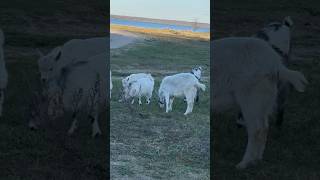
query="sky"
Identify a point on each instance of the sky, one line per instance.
(182, 10)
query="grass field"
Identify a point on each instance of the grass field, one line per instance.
(292, 152)
(47, 153)
(147, 143)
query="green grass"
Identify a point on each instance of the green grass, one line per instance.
(293, 151)
(145, 141)
(47, 153)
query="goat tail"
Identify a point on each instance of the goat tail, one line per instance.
(200, 86)
(295, 78)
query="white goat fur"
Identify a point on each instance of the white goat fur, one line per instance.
(142, 87)
(133, 77)
(197, 71)
(72, 51)
(84, 77)
(245, 76)
(3, 71)
(179, 85)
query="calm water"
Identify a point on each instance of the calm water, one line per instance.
(155, 25)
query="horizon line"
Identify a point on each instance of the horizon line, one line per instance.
(204, 23)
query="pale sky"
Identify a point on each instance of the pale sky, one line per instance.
(183, 10)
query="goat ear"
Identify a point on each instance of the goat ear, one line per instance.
(39, 53)
(288, 21)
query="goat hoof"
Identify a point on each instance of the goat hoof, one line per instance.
(32, 126)
(241, 165)
(245, 164)
(70, 132)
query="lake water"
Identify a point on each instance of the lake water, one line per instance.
(155, 25)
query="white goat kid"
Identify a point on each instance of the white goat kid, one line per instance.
(3, 71)
(245, 76)
(179, 85)
(142, 87)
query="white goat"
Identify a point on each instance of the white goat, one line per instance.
(142, 87)
(245, 76)
(84, 88)
(131, 78)
(179, 85)
(3, 71)
(278, 35)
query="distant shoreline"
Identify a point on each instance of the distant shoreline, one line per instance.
(162, 21)
(162, 32)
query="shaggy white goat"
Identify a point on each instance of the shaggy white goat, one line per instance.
(132, 77)
(83, 84)
(142, 87)
(278, 35)
(3, 71)
(179, 85)
(245, 76)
